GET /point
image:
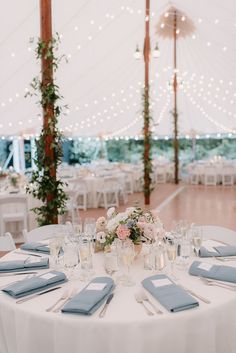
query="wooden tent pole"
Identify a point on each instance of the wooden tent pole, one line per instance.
(175, 112)
(47, 79)
(146, 130)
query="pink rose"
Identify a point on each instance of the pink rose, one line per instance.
(122, 232)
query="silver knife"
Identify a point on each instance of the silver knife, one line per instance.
(17, 274)
(36, 295)
(104, 309)
(27, 253)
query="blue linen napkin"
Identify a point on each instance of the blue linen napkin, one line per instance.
(89, 300)
(219, 272)
(37, 247)
(221, 250)
(35, 284)
(169, 294)
(21, 265)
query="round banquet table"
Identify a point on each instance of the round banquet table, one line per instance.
(209, 328)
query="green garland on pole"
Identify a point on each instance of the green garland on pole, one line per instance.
(147, 142)
(43, 183)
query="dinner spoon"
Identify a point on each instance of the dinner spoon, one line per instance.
(139, 300)
(63, 297)
(68, 297)
(145, 298)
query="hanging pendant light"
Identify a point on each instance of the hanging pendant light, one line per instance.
(156, 51)
(137, 53)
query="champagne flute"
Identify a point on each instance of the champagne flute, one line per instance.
(197, 240)
(172, 254)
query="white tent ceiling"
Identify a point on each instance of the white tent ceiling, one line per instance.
(102, 83)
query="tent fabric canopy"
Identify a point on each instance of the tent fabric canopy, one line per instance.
(102, 82)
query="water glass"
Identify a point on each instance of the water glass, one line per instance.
(85, 255)
(127, 256)
(111, 263)
(71, 258)
(148, 257)
(55, 245)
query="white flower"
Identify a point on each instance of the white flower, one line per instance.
(101, 224)
(130, 210)
(101, 237)
(113, 223)
(110, 212)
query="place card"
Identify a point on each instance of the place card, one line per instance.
(204, 266)
(161, 282)
(48, 275)
(96, 286)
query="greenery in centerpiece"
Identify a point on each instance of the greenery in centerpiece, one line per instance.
(133, 224)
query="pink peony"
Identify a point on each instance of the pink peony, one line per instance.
(122, 232)
(141, 225)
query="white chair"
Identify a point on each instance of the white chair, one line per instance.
(13, 209)
(78, 194)
(129, 184)
(108, 194)
(44, 232)
(194, 175)
(219, 233)
(160, 175)
(228, 176)
(210, 176)
(7, 242)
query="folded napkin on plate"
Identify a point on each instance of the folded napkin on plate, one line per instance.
(220, 272)
(169, 294)
(37, 247)
(35, 284)
(213, 248)
(21, 265)
(91, 297)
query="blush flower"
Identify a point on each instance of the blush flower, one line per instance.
(122, 232)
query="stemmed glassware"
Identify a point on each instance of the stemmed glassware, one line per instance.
(171, 248)
(197, 239)
(90, 229)
(127, 256)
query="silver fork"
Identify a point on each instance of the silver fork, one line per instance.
(64, 296)
(209, 282)
(70, 296)
(140, 301)
(144, 296)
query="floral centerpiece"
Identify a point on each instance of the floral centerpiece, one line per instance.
(133, 224)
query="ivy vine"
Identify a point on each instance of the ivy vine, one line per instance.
(147, 141)
(44, 184)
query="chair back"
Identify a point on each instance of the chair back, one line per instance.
(44, 232)
(219, 233)
(7, 242)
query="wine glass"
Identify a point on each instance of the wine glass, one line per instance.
(78, 226)
(197, 239)
(172, 254)
(127, 256)
(90, 230)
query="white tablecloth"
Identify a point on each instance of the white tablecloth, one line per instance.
(210, 328)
